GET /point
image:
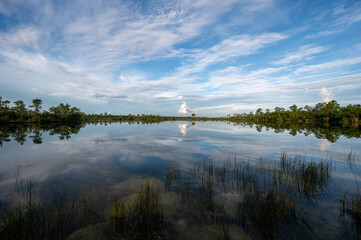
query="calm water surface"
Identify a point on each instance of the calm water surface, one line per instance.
(119, 156)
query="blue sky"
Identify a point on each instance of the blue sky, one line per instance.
(176, 57)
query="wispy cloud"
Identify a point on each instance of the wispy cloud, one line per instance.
(303, 52)
(339, 19)
(25, 37)
(347, 16)
(327, 65)
(236, 46)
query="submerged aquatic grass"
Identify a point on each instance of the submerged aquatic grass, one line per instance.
(265, 199)
(350, 202)
(140, 219)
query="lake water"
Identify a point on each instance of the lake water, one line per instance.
(117, 157)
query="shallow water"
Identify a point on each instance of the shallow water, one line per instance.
(117, 157)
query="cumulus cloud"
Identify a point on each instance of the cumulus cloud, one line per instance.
(326, 95)
(184, 109)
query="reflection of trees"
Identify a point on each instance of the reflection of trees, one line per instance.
(65, 131)
(10, 132)
(37, 139)
(4, 137)
(19, 132)
(19, 135)
(331, 133)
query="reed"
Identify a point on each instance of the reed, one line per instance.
(171, 174)
(267, 201)
(141, 218)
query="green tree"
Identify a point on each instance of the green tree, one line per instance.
(293, 108)
(37, 105)
(308, 108)
(4, 109)
(64, 112)
(20, 109)
(259, 112)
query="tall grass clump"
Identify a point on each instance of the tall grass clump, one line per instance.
(354, 209)
(171, 174)
(34, 218)
(267, 213)
(308, 178)
(350, 204)
(141, 218)
(271, 206)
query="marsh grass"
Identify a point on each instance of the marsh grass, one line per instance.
(171, 174)
(33, 218)
(267, 202)
(350, 202)
(268, 213)
(270, 196)
(309, 178)
(140, 219)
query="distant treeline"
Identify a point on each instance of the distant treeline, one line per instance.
(330, 113)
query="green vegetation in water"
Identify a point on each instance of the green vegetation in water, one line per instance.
(140, 219)
(350, 203)
(232, 200)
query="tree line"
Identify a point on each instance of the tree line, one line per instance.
(330, 113)
(20, 113)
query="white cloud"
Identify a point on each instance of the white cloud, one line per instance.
(348, 16)
(341, 19)
(21, 38)
(326, 95)
(327, 65)
(303, 52)
(124, 34)
(184, 109)
(235, 46)
(239, 80)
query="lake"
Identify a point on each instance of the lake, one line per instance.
(116, 158)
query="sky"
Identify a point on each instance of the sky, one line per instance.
(207, 57)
